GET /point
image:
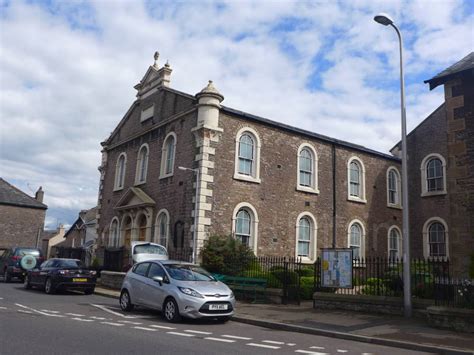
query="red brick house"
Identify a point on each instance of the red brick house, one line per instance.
(280, 189)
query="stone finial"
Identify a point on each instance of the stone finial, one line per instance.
(211, 90)
(156, 56)
(167, 64)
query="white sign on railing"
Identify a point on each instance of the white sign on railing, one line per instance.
(336, 268)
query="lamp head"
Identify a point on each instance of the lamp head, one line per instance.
(383, 19)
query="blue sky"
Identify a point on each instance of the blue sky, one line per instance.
(68, 69)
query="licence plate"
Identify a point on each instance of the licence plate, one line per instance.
(79, 280)
(217, 307)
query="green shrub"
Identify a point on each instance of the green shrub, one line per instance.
(306, 271)
(286, 276)
(306, 287)
(272, 281)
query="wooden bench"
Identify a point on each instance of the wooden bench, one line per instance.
(246, 286)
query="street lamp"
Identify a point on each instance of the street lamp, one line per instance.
(196, 171)
(385, 20)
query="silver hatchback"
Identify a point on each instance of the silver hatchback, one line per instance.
(177, 289)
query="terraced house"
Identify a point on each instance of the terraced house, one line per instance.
(280, 189)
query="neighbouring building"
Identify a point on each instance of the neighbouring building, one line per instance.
(280, 189)
(21, 217)
(441, 172)
(50, 238)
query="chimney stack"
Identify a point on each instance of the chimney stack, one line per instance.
(39, 195)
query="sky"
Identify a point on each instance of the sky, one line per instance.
(67, 71)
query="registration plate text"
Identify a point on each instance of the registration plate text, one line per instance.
(79, 280)
(217, 307)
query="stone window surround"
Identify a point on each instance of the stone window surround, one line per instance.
(424, 181)
(118, 185)
(156, 236)
(134, 228)
(400, 241)
(362, 241)
(399, 188)
(139, 164)
(314, 188)
(164, 156)
(114, 241)
(360, 199)
(258, 145)
(313, 246)
(426, 245)
(254, 225)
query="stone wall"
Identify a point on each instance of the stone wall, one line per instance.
(111, 279)
(451, 318)
(19, 226)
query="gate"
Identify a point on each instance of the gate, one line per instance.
(113, 259)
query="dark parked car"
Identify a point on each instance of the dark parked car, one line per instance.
(62, 274)
(15, 262)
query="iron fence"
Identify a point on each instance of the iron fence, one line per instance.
(181, 255)
(114, 259)
(455, 293)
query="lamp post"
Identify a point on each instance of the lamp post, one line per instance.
(196, 202)
(385, 20)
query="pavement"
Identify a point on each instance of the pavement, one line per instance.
(395, 331)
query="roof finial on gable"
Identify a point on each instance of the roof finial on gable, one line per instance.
(156, 56)
(167, 64)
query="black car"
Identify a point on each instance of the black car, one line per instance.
(16, 261)
(62, 274)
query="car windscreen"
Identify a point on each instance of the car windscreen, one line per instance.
(149, 249)
(69, 264)
(188, 272)
(23, 252)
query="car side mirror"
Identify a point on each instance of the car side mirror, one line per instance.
(158, 279)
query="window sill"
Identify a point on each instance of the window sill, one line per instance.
(307, 189)
(118, 189)
(433, 193)
(306, 260)
(397, 207)
(357, 199)
(138, 183)
(247, 178)
(165, 176)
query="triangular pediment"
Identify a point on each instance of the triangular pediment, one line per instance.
(150, 76)
(134, 198)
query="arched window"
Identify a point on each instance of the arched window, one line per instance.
(120, 171)
(306, 243)
(162, 228)
(356, 180)
(394, 243)
(142, 165)
(393, 187)
(247, 155)
(114, 236)
(356, 239)
(245, 225)
(433, 175)
(307, 169)
(435, 236)
(168, 155)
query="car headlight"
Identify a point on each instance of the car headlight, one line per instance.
(190, 292)
(231, 295)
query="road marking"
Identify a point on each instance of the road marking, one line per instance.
(83, 320)
(197, 332)
(367, 354)
(162, 327)
(75, 314)
(290, 344)
(317, 347)
(129, 322)
(220, 339)
(263, 346)
(341, 351)
(98, 318)
(48, 311)
(149, 329)
(273, 342)
(36, 311)
(181, 334)
(112, 312)
(22, 311)
(3, 308)
(115, 324)
(1, 298)
(309, 352)
(236, 337)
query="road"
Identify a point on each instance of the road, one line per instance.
(32, 322)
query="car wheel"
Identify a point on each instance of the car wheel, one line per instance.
(6, 277)
(89, 291)
(48, 286)
(26, 282)
(171, 311)
(125, 301)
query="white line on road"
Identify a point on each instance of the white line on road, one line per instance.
(39, 312)
(220, 339)
(317, 347)
(273, 342)
(83, 320)
(22, 311)
(310, 352)
(115, 324)
(236, 337)
(75, 314)
(263, 346)
(198, 332)
(3, 308)
(181, 334)
(1, 298)
(162, 327)
(341, 351)
(98, 318)
(112, 312)
(129, 322)
(290, 344)
(144, 328)
(48, 311)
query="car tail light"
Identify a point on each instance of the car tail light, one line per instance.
(16, 258)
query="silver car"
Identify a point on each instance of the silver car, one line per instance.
(177, 289)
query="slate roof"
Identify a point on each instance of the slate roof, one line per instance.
(10, 195)
(462, 67)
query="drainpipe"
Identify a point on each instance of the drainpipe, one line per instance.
(334, 195)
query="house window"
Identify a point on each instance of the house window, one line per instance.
(247, 155)
(245, 225)
(433, 175)
(435, 238)
(306, 237)
(142, 165)
(114, 239)
(356, 179)
(162, 228)
(168, 155)
(393, 187)
(394, 243)
(307, 169)
(120, 171)
(356, 239)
